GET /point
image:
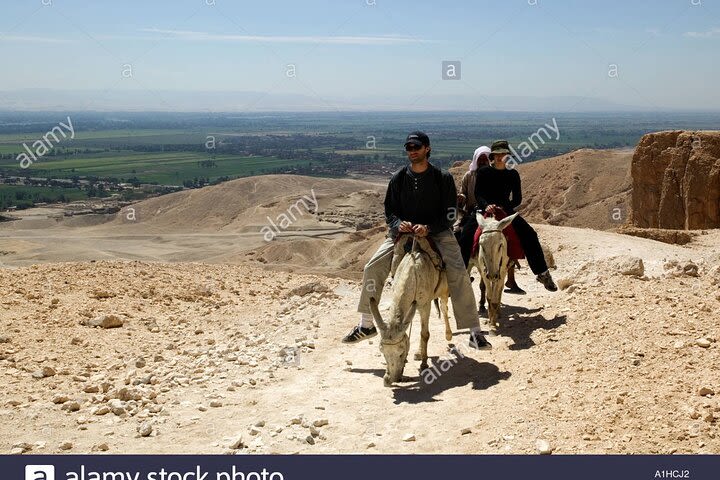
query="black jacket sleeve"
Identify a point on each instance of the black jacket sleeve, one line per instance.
(448, 215)
(392, 202)
(480, 179)
(516, 191)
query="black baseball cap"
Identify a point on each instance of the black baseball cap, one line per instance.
(417, 138)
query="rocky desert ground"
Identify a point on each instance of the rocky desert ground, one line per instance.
(183, 331)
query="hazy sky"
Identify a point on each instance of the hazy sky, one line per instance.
(667, 52)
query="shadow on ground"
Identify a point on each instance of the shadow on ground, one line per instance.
(518, 323)
(454, 370)
(447, 373)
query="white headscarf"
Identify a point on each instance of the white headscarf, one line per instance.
(478, 151)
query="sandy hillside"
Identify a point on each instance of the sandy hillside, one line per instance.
(223, 358)
(243, 205)
(578, 189)
(223, 223)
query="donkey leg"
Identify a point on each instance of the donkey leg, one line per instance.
(496, 308)
(493, 309)
(481, 308)
(443, 295)
(446, 317)
(424, 335)
(418, 352)
(510, 282)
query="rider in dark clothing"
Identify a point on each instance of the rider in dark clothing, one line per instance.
(427, 198)
(497, 185)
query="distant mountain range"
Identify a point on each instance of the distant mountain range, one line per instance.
(207, 101)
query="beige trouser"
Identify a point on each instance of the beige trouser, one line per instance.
(463, 299)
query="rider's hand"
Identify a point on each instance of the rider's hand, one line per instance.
(405, 227)
(420, 230)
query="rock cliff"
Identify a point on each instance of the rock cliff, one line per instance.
(676, 180)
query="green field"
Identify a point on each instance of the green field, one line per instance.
(161, 135)
(163, 168)
(22, 197)
(110, 154)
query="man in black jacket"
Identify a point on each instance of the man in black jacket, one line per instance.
(420, 199)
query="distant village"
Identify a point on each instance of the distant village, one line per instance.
(103, 196)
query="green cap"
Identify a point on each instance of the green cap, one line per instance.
(499, 146)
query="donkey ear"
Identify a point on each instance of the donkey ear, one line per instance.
(507, 221)
(480, 219)
(376, 314)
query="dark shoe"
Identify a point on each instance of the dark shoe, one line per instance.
(479, 342)
(482, 311)
(516, 290)
(546, 279)
(358, 334)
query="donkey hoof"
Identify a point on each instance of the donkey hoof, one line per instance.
(423, 367)
(448, 336)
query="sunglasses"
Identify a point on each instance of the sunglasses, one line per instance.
(412, 148)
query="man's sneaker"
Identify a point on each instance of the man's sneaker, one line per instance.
(546, 279)
(479, 342)
(358, 334)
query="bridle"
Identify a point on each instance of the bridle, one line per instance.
(402, 339)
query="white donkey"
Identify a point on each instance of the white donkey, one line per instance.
(418, 280)
(492, 262)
